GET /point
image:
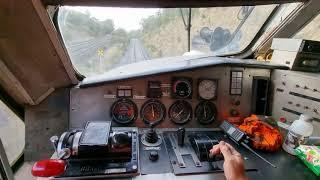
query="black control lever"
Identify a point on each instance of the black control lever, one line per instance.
(181, 134)
(218, 157)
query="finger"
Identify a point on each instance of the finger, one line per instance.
(225, 150)
(215, 150)
(233, 150)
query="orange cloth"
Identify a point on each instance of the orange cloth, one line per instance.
(263, 135)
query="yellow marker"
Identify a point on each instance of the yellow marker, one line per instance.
(100, 52)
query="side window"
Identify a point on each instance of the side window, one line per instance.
(310, 31)
(12, 133)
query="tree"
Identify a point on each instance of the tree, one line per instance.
(107, 26)
(120, 37)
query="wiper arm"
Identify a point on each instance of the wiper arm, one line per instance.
(187, 26)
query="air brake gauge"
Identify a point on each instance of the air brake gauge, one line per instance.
(153, 112)
(182, 87)
(124, 111)
(207, 89)
(205, 112)
(180, 112)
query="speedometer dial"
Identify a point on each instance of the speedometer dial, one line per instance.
(180, 112)
(207, 89)
(124, 111)
(153, 112)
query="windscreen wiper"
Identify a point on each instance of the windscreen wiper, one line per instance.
(187, 26)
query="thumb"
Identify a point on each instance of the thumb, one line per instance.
(225, 151)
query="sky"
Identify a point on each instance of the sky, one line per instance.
(126, 18)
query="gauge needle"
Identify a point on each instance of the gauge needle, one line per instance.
(178, 114)
(152, 110)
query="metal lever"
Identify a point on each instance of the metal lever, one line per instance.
(64, 153)
(54, 141)
(181, 134)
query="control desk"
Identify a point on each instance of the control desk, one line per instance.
(162, 125)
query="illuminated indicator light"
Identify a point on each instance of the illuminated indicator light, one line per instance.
(48, 168)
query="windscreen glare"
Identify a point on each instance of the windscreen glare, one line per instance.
(99, 39)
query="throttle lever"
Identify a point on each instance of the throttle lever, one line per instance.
(181, 134)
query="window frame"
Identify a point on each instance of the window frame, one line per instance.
(247, 52)
(17, 109)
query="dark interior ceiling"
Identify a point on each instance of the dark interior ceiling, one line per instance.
(33, 61)
(163, 3)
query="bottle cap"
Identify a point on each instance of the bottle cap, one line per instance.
(305, 117)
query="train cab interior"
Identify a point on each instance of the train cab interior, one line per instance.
(138, 89)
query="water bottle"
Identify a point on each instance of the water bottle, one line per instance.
(298, 133)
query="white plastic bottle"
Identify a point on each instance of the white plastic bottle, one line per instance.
(299, 131)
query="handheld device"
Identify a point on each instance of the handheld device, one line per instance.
(240, 138)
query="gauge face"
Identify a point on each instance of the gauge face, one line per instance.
(205, 112)
(207, 89)
(153, 112)
(182, 88)
(180, 112)
(124, 111)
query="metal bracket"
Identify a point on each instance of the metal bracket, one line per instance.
(181, 151)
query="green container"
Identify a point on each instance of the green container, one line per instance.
(310, 155)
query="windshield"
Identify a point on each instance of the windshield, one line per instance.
(99, 39)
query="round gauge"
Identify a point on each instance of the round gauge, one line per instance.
(182, 88)
(153, 112)
(180, 112)
(205, 112)
(207, 89)
(124, 111)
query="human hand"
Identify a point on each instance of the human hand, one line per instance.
(233, 163)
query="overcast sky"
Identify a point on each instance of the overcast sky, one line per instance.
(126, 18)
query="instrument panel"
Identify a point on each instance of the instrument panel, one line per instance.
(193, 98)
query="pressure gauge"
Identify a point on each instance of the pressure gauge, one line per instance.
(205, 112)
(124, 111)
(207, 89)
(153, 112)
(180, 112)
(182, 88)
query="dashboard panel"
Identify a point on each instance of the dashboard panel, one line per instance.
(193, 98)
